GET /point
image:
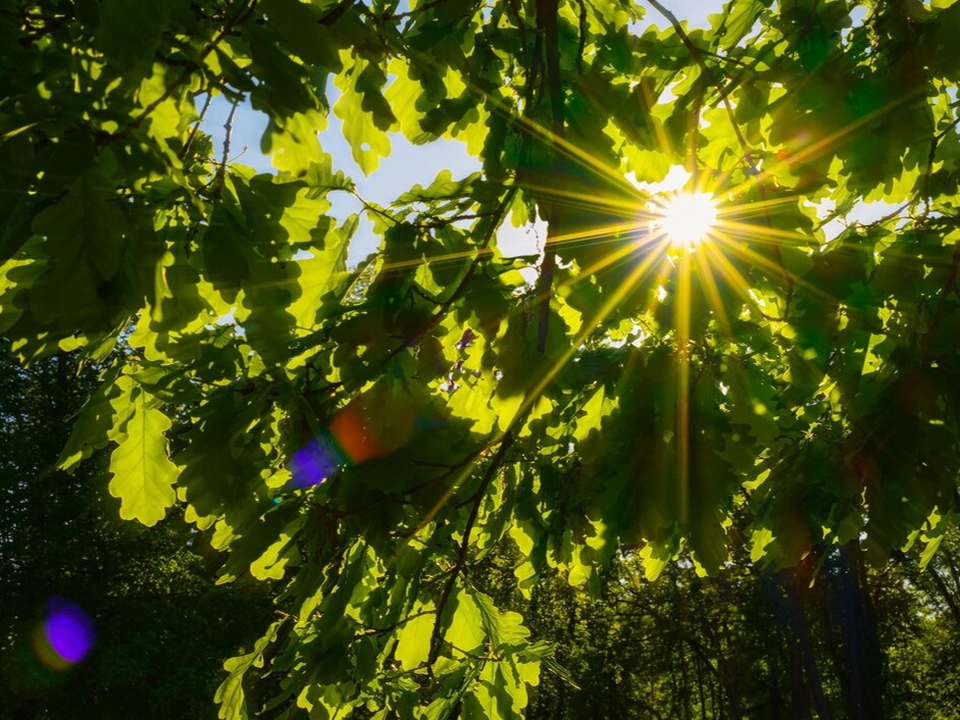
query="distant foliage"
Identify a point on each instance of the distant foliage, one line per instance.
(154, 630)
(367, 435)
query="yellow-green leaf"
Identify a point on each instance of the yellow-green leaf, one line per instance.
(143, 475)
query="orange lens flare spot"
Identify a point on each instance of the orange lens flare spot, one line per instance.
(348, 428)
(373, 426)
(687, 219)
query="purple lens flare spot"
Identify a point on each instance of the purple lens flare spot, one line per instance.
(68, 629)
(314, 463)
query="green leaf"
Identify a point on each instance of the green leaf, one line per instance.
(463, 622)
(93, 429)
(143, 475)
(230, 695)
(84, 226)
(366, 115)
(130, 32)
(413, 641)
(505, 629)
(736, 21)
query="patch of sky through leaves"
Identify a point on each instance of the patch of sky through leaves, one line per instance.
(409, 164)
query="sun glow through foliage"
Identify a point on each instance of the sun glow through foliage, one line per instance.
(680, 361)
(688, 218)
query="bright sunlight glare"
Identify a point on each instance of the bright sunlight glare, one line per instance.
(687, 219)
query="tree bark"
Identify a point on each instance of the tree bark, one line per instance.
(810, 669)
(864, 657)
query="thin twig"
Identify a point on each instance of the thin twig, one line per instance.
(426, 297)
(222, 170)
(439, 222)
(410, 13)
(374, 208)
(242, 15)
(196, 126)
(726, 58)
(464, 282)
(461, 561)
(370, 631)
(470, 459)
(338, 12)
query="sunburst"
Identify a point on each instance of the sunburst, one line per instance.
(687, 219)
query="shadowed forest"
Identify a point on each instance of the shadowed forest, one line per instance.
(753, 642)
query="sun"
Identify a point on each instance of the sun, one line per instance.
(687, 219)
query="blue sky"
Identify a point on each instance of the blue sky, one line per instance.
(409, 164)
(419, 163)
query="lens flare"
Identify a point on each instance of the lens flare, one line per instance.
(687, 219)
(315, 462)
(66, 635)
(372, 426)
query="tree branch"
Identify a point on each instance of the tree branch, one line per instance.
(461, 561)
(246, 8)
(196, 126)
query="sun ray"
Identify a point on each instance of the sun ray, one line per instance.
(738, 248)
(822, 145)
(533, 128)
(593, 201)
(662, 139)
(732, 275)
(756, 207)
(605, 233)
(712, 294)
(608, 306)
(663, 272)
(608, 261)
(682, 321)
(751, 231)
(566, 148)
(596, 232)
(611, 303)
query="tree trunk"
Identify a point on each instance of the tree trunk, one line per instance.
(863, 657)
(807, 654)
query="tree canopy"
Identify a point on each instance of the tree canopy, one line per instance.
(368, 434)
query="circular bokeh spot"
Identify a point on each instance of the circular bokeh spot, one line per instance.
(67, 634)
